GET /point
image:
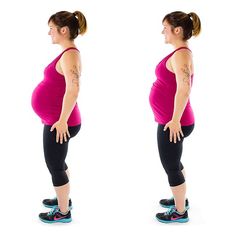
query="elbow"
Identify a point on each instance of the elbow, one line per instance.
(75, 96)
(73, 93)
(185, 92)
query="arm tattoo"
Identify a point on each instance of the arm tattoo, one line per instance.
(186, 78)
(76, 74)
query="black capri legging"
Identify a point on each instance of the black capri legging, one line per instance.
(170, 154)
(55, 154)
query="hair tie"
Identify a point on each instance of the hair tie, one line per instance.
(77, 20)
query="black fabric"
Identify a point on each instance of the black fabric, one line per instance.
(170, 154)
(55, 154)
(167, 203)
(52, 203)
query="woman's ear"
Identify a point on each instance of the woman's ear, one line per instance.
(64, 30)
(178, 30)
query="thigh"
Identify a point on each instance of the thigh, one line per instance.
(55, 153)
(170, 152)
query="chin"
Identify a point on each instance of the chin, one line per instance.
(167, 41)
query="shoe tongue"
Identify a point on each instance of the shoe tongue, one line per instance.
(174, 209)
(170, 211)
(53, 211)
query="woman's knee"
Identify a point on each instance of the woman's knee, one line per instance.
(59, 177)
(175, 177)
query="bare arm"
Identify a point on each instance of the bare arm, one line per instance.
(182, 69)
(70, 66)
(181, 65)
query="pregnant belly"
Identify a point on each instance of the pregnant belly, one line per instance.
(45, 102)
(162, 104)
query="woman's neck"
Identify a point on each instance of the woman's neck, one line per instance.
(67, 44)
(180, 44)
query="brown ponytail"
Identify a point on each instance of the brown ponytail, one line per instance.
(82, 21)
(196, 23)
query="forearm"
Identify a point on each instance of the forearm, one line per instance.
(181, 99)
(69, 101)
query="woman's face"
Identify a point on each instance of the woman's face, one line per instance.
(168, 32)
(54, 33)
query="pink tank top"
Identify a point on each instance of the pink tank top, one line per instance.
(162, 95)
(48, 96)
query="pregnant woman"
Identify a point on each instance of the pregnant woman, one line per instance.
(169, 99)
(54, 101)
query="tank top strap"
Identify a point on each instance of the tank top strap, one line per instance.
(167, 57)
(180, 49)
(60, 55)
(67, 49)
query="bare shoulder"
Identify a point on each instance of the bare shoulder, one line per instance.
(71, 55)
(181, 60)
(70, 59)
(182, 55)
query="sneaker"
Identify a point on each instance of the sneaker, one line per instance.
(55, 216)
(170, 203)
(172, 215)
(53, 203)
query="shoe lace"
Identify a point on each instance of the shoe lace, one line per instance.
(53, 211)
(170, 211)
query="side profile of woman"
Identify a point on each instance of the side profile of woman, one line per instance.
(169, 100)
(54, 101)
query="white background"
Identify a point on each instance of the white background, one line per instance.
(116, 176)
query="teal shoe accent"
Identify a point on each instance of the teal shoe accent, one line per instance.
(57, 221)
(173, 221)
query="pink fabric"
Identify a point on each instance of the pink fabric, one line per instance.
(48, 96)
(162, 95)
